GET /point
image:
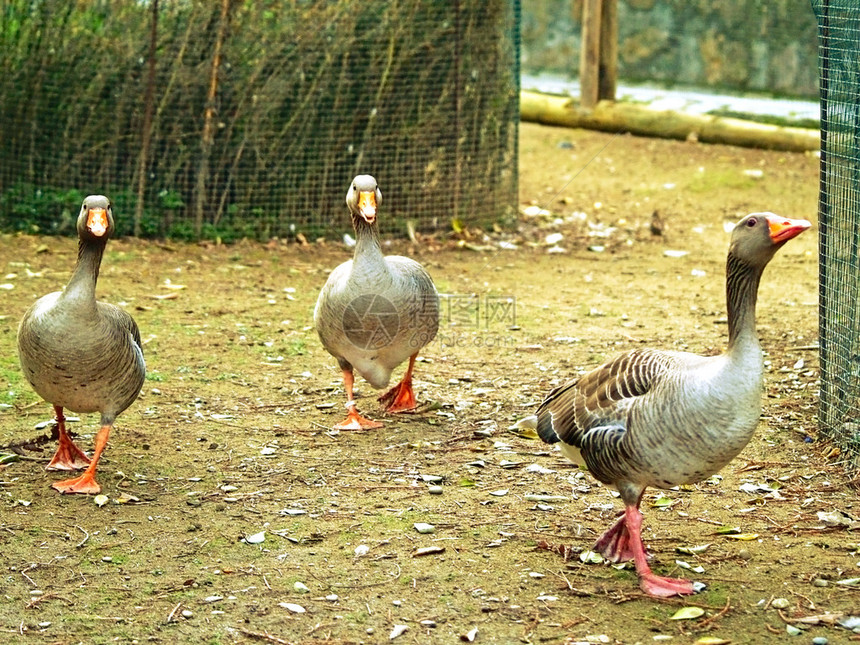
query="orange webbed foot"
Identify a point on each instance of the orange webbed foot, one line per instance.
(354, 421)
(85, 484)
(665, 587)
(68, 456)
(400, 398)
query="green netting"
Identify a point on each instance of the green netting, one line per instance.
(839, 220)
(249, 118)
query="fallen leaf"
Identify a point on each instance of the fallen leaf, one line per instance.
(427, 550)
(849, 582)
(292, 607)
(743, 536)
(591, 557)
(687, 613)
(396, 631)
(664, 502)
(256, 538)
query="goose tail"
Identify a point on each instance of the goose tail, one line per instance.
(545, 429)
(545, 422)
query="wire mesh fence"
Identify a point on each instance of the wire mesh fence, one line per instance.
(839, 220)
(236, 118)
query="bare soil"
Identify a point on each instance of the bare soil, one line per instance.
(231, 502)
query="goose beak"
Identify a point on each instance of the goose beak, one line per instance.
(367, 205)
(97, 221)
(783, 229)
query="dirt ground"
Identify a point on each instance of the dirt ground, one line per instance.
(236, 515)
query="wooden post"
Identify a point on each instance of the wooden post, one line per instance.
(589, 61)
(608, 72)
(598, 64)
(146, 129)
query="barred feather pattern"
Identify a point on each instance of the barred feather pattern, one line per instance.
(664, 418)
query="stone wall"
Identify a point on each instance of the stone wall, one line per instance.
(738, 45)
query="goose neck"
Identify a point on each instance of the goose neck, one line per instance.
(82, 284)
(742, 282)
(367, 245)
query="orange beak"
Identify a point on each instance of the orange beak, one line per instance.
(97, 221)
(367, 205)
(783, 229)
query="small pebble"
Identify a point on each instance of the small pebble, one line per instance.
(819, 582)
(819, 640)
(187, 613)
(434, 490)
(107, 558)
(779, 603)
(300, 587)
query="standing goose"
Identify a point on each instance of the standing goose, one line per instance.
(81, 354)
(665, 418)
(375, 311)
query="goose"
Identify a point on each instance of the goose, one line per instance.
(665, 418)
(81, 354)
(375, 311)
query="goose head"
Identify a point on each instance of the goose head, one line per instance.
(363, 199)
(758, 236)
(95, 223)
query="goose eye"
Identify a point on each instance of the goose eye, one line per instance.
(752, 221)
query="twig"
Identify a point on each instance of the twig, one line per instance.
(266, 636)
(86, 537)
(716, 616)
(173, 613)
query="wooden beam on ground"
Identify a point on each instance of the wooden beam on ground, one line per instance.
(589, 60)
(608, 116)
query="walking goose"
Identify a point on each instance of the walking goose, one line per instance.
(81, 354)
(375, 311)
(665, 418)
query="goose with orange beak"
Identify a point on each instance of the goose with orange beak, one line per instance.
(375, 311)
(81, 354)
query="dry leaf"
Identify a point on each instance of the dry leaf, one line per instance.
(687, 613)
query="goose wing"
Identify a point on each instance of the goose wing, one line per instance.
(602, 397)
